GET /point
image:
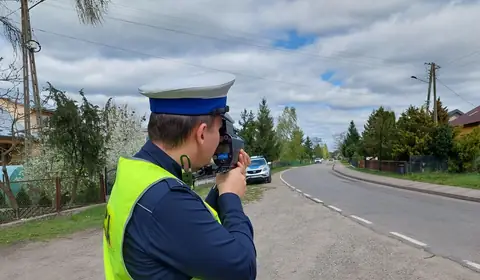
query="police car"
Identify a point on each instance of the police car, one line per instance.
(259, 170)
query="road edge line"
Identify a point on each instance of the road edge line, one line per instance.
(408, 239)
(365, 221)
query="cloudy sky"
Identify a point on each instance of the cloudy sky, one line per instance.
(335, 61)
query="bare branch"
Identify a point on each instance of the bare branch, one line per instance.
(91, 11)
(11, 32)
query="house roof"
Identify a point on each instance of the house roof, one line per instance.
(469, 117)
(455, 112)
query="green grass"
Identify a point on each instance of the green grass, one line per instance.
(465, 180)
(53, 227)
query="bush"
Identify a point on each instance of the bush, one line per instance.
(90, 193)
(23, 199)
(44, 200)
(3, 203)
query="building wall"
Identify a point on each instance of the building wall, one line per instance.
(453, 117)
(17, 111)
(468, 128)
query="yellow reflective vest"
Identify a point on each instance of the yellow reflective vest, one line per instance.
(134, 177)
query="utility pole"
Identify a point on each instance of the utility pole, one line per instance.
(28, 55)
(433, 80)
(430, 72)
(26, 86)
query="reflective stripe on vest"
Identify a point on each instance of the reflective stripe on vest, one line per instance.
(134, 177)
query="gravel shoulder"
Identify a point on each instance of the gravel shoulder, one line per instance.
(295, 238)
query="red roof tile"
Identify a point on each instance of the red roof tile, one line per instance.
(469, 117)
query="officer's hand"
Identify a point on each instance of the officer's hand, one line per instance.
(244, 158)
(234, 181)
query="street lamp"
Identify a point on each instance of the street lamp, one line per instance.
(415, 77)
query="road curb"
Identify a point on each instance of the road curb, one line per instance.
(450, 195)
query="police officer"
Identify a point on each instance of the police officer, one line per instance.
(155, 226)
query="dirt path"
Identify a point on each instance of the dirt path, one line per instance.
(295, 238)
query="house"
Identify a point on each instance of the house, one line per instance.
(12, 126)
(467, 121)
(454, 114)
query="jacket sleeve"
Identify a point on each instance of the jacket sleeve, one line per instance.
(186, 236)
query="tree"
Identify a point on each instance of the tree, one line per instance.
(325, 152)
(379, 134)
(89, 12)
(11, 124)
(339, 139)
(442, 140)
(318, 151)
(467, 153)
(78, 133)
(294, 150)
(351, 140)
(247, 130)
(125, 133)
(265, 135)
(287, 124)
(288, 133)
(308, 148)
(414, 132)
(442, 113)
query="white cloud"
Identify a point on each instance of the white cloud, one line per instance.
(373, 48)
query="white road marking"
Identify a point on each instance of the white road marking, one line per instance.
(317, 200)
(299, 191)
(307, 195)
(472, 264)
(334, 208)
(409, 239)
(361, 219)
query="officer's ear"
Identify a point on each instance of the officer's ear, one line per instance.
(200, 132)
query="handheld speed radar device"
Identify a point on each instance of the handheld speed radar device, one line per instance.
(228, 150)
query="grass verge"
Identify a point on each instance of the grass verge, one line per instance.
(464, 180)
(53, 227)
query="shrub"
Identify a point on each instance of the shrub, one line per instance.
(23, 199)
(44, 200)
(90, 193)
(3, 203)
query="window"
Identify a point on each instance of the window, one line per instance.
(258, 162)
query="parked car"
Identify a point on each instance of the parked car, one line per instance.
(318, 160)
(259, 170)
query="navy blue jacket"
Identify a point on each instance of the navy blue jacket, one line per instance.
(173, 236)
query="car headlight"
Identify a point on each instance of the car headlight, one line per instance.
(264, 169)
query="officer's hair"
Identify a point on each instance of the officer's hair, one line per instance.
(173, 130)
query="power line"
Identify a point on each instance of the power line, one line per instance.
(164, 58)
(241, 41)
(454, 92)
(231, 30)
(463, 56)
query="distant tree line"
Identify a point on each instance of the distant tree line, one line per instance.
(284, 141)
(414, 133)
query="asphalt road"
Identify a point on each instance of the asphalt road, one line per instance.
(448, 227)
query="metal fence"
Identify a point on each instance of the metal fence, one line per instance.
(416, 164)
(420, 164)
(46, 196)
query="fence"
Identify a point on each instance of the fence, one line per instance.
(46, 196)
(416, 164)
